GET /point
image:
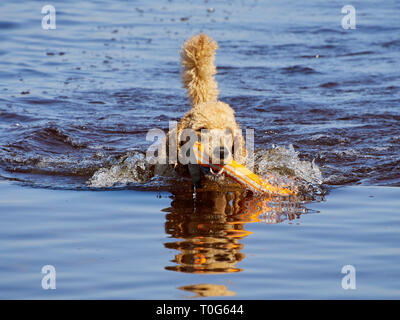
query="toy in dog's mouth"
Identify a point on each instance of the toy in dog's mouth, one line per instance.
(237, 172)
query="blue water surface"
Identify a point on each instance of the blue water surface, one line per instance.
(76, 99)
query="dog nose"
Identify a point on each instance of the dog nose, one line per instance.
(221, 153)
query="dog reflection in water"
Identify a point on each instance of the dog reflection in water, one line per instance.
(209, 227)
(208, 290)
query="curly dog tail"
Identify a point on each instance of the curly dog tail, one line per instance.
(198, 69)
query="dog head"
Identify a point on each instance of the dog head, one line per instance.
(215, 127)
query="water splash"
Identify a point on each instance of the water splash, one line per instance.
(286, 162)
(279, 165)
(131, 168)
(284, 167)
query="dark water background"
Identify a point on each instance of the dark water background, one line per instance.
(74, 99)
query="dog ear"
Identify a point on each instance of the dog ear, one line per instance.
(239, 149)
(178, 140)
(171, 146)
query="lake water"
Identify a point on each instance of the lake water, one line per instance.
(76, 104)
(137, 245)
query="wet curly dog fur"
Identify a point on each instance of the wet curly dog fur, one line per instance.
(213, 121)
